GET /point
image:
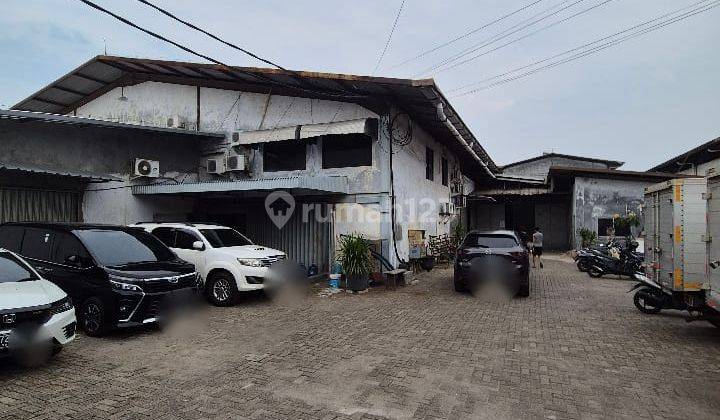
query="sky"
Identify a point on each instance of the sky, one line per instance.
(641, 102)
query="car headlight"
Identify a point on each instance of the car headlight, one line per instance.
(250, 262)
(127, 287)
(62, 305)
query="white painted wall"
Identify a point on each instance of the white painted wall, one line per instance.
(152, 103)
(418, 197)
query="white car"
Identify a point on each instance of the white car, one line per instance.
(227, 261)
(36, 317)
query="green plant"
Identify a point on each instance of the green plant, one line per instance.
(630, 220)
(458, 233)
(354, 255)
(587, 236)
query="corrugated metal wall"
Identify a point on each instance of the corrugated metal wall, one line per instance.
(305, 242)
(20, 204)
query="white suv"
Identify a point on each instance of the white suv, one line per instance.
(36, 317)
(227, 261)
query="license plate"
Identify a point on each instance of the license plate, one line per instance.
(4, 339)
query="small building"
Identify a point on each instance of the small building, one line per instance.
(128, 140)
(696, 161)
(560, 194)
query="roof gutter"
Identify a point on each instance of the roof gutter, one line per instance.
(444, 119)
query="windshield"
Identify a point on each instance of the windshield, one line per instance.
(490, 241)
(221, 238)
(119, 247)
(12, 270)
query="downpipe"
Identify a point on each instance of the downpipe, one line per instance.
(444, 119)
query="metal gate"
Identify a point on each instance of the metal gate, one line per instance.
(36, 205)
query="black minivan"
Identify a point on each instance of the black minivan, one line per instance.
(117, 276)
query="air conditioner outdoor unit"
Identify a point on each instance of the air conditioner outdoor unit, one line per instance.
(235, 163)
(215, 166)
(459, 201)
(447, 208)
(147, 168)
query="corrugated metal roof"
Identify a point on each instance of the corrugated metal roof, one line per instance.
(419, 98)
(68, 119)
(328, 184)
(47, 171)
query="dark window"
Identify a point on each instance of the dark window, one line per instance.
(346, 150)
(166, 235)
(444, 168)
(490, 241)
(11, 237)
(119, 247)
(185, 239)
(284, 156)
(429, 164)
(604, 225)
(67, 245)
(36, 243)
(12, 270)
(220, 238)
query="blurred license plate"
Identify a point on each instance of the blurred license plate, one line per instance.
(4, 339)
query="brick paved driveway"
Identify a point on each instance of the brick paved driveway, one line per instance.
(575, 349)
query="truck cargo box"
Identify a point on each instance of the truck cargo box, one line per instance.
(675, 234)
(713, 244)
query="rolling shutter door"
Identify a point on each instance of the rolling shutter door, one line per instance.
(35, 205)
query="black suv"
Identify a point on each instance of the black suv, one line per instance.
(117, 276)
(498, 255)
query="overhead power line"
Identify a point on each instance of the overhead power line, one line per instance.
(520, 26)
(387, 43)
(475, 57)
(465, 35)
(229, 44)
(210, 59)
(675, 17)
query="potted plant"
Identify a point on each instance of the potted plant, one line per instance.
(354, 257)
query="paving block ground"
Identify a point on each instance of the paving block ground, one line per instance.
(576, 348)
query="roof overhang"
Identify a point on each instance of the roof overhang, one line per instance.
(612, 174)
(81, 175)
(322, 184)
(704, 153)
(419, 98)
(15, 115)
(360, 126)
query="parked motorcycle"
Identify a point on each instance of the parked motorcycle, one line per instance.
(651, 298)
(626, 263)
(584, 256)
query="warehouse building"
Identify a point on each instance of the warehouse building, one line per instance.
(127, 140)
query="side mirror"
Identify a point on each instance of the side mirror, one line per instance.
(74, 260)
(198, 245)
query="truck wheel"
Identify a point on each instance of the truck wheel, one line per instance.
(93, 317)
(646, 303)
(221, 289)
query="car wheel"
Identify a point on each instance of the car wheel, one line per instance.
(93, 317)
(459, 286)
(57, 348)
(221, 289)
(524, 290)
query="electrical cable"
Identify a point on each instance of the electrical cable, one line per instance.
(576, 48)
(212, 60)
(598, 48)
(467, 60)
(387, 43)
(522, 25)
(231, 45)
(463, 36)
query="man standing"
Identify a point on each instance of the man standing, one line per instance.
(537, 241)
